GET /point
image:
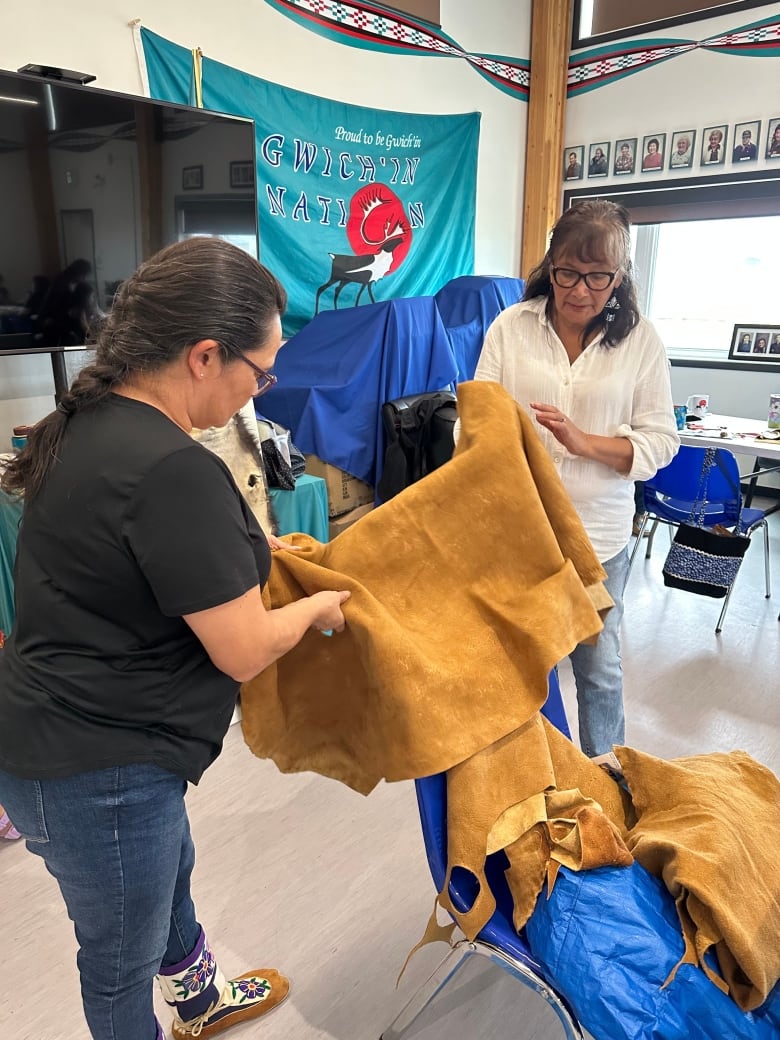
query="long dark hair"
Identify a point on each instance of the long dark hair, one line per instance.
(593, 230)
(201, 288)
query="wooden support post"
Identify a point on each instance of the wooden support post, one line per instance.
(550, 40)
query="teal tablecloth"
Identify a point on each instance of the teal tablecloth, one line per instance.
(10, 515)
(304, 510)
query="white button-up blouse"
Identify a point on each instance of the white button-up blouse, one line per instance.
(619, 391)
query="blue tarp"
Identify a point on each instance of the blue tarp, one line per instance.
(607, 939)
(468, 306)
(338, 371)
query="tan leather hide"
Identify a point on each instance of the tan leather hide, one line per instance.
(466, 589)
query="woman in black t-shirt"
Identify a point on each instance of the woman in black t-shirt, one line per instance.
(138, 613)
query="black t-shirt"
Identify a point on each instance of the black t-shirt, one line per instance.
(136, 525)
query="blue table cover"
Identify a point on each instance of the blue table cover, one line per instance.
(305, 509)
(468, 306)
(338, 371)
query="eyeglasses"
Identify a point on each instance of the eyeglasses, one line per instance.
(597, 281)
(265, 380)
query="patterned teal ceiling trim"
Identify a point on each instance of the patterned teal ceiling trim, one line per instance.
(757, 40)
(602, 65)
(371, 26)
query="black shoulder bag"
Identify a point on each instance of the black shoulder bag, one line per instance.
(705, 560)
(419, 437)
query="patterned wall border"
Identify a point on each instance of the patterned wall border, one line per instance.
(377, 28)
(374, 27)
(602, 65)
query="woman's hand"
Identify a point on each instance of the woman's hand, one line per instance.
(561, 427)
(329, 617)
(242, 638)
(616, 452)
(278, 543)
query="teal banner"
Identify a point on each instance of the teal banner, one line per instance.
(355, 204)
(169, 69)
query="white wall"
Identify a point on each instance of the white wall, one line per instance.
(690, 91)
(698, 89)
(94, 36)
(694, 90)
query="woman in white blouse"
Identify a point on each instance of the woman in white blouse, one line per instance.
(577, 355)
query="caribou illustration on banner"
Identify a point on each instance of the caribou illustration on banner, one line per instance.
(380, 234)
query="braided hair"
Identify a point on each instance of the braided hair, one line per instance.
(200, 288)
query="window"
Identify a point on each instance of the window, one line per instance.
(705, 257)
(428, 10)
(232, 217)
(598, 20)
(700, 278)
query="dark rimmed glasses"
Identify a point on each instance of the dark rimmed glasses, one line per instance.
(596, 281)
(265, 380)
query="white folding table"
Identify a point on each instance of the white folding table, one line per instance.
(740, 436)
(732, 432)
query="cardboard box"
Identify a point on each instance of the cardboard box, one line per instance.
(341, 523)
(345, 492)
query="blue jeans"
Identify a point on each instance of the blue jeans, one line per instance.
(118, 842)
(598, 672)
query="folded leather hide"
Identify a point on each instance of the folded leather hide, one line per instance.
(537, 797)
(709, 825)
(467, 588)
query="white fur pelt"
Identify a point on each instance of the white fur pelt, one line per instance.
(238, 445)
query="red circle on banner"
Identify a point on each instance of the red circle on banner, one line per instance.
(376, 218)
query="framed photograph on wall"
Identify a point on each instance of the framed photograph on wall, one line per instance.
(191, 178)
(756, 343)
(773, 139)
(572, 162)
(242, 174)
(625, 156)
(682, 150)
(653, 149)
(714, 141)
(598, 159)
(746, 136)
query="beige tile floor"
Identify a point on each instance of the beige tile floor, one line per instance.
(334, 888)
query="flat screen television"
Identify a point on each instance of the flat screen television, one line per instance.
(101, 181)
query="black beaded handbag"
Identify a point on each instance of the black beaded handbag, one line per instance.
(705, 560)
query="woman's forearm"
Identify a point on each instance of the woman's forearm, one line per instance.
(617, 452)
(242, 638)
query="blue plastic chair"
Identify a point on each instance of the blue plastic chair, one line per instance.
(670, 495)
(498, 941)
